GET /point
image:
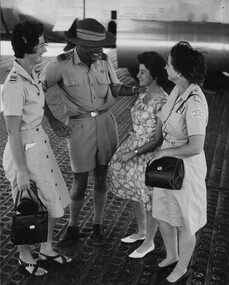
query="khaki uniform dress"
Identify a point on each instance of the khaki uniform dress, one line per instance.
(23, 96)
(188, 116)
(93, 140)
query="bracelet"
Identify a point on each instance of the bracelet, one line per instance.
(136, 151)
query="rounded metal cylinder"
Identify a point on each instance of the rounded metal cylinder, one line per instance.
(137, 36)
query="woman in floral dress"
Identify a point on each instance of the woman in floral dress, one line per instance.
(128, 165)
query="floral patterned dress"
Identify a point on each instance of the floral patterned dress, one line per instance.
(127, 179)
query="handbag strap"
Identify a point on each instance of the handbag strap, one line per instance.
(18, 198)
(33, 188)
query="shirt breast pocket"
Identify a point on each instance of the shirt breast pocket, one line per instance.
(103, 78)
(176, 118)
(102, 86)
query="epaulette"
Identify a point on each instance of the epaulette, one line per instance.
(65, 56)
(13, 77)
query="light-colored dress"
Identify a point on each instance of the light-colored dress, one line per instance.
(188, 206)
(23, 96)
(127, 179)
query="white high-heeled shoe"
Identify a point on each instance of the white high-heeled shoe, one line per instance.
(136, 254)
(131, 240)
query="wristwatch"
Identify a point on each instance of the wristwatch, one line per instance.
(134, 89)
(136, 151)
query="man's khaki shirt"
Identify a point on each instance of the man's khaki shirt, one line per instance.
(84, 89)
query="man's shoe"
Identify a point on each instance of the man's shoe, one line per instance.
(70, 236)
(98, 235)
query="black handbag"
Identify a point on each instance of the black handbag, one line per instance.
(27, 227)
(166, 172)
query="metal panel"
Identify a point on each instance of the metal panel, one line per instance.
(136, 36)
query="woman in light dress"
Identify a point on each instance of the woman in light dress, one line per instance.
(28, 154)
(127, 167)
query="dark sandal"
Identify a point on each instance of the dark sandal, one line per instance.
(49, 258)
(26, 265)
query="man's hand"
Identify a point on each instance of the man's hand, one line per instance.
(127, 90)
(59, 128)
(141, 89)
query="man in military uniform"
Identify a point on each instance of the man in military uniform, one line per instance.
(90, 85)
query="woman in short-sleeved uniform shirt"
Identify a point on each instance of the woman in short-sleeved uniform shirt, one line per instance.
(181, 213)
(23, 96)
(189, 117)
(28, 155)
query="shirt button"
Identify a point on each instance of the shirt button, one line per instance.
(37, 129)
(47, 156)
(55, 184)
(51, 170)
(45, 141)
(38, 94)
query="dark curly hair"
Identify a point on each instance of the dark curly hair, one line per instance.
(155, 63)
(25, 37)
(189, 62)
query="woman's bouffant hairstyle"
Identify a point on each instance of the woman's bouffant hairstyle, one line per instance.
(25, 37)
(189, 62)
(155, 63)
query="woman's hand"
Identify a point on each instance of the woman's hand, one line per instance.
(23, 181)
(156, 155)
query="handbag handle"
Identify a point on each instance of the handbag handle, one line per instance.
(33, 188)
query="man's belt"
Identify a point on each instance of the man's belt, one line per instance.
(90, 114)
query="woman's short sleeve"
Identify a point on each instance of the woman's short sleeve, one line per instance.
(196, 116)
(13, 99)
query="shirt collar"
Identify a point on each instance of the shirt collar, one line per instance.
(173, 99)
(192, 88)
(76, 59)
(21, 71)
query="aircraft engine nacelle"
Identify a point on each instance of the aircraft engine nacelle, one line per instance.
(137, 36)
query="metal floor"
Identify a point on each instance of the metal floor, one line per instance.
(110, 264)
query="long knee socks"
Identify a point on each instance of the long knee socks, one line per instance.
(75, 208)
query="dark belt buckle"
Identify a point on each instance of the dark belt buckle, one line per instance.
(94, 114)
